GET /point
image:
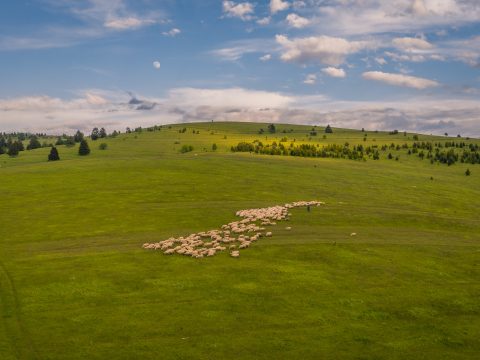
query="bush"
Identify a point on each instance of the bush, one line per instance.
(186, 148)
(103, 146)
(243, 147)
(214, 147)
(467, 173)
(328, 130)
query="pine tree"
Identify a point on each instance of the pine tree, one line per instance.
(34, 143)
(53, 156)
(103, 133)
(95, 134)
(328, 130)
(78, 136)
(84, 149)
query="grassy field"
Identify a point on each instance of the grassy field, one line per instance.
(76, 284)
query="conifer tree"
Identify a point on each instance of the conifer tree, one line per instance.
(34, 143)
(84, 149)
(95, 134)
(53, 156)
(78, 136)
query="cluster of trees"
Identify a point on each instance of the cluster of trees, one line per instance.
(12, 144)
(307, 150)
(98, 134)
(446, 153)
(70, 140)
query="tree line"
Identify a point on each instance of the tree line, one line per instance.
(447, 153)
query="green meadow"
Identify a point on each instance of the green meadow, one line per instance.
(75, 282)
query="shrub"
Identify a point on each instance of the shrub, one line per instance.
(214, 147)
(186, 148)
(467, 173)
(328, 130)
(103, 146)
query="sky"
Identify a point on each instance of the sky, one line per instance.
(380, 65)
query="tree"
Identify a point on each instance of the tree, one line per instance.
(103, 146)
(271, 128)
(12, 151)
(78, 136)
(328, 130)
(84, 149)
(95, 134)
(103, 133)
(53, 156)
(214, 147)
(467, 172)
(15, 147)
(34, 143)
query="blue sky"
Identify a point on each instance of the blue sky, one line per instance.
(406, 64)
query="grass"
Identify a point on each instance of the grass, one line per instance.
(75, 283)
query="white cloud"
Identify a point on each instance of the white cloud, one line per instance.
(264, 21)
(266, 57)
(231, 97)
(400, 80)
(95, 99)
(235, 50)
(334, 72)
(93, 19)
(278, 5)
(409, 44)
(310, 79)
(172, 33)
(297, 21)
(156, 64)
(127, 23)
(320, 49)
(242, 10)
(357, 17)
(380, 61)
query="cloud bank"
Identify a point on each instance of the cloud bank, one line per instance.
(117, 110)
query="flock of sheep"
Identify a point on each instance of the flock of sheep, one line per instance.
(234, 236)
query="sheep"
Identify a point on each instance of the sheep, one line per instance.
(196, 244)
(235, 254)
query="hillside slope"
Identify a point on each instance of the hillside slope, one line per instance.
(76, 284)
